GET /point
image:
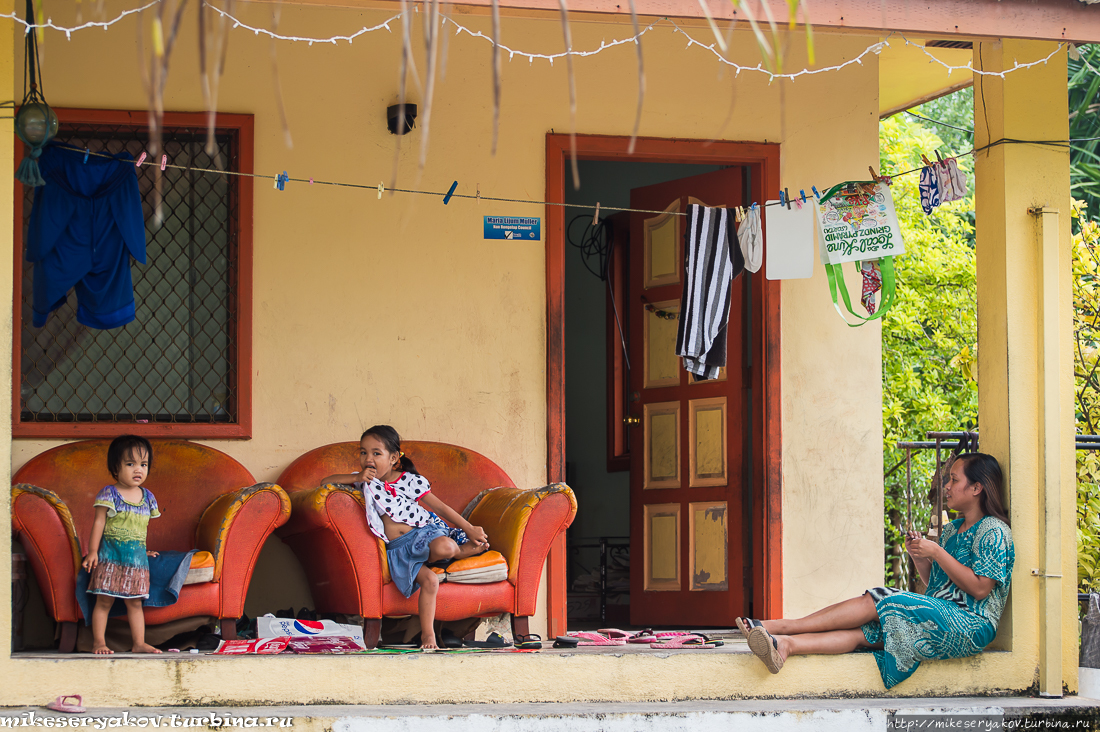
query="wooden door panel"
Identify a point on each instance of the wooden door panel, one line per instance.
(687, 458)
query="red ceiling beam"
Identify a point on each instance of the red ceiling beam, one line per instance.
(1056, 20)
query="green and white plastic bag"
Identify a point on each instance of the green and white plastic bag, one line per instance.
(856, 222)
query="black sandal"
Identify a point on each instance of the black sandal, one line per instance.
(566, 641)
(529, 642)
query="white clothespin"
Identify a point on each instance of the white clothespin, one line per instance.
(596, 216)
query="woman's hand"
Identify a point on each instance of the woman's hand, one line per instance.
(921, 548)
(90, 561)
(477, 535)
(152, 554)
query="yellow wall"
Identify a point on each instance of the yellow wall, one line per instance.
(397, 311)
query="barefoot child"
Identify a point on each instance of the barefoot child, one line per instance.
(117, 558)
(403, 512)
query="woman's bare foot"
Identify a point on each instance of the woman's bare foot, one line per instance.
(784, 645)
(427, 643)
(144, 648)
(102, 649)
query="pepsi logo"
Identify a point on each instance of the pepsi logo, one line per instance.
(308, 627)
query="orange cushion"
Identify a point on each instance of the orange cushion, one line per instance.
(202, 568)
(482, 569)
(202, 559)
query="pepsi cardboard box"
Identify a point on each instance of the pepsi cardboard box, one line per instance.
(270, 626)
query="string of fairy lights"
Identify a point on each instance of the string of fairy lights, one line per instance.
(459, 29)
(874, 48)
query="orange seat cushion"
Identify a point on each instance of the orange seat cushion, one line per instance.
(202, 560)
(480, 570)
(202, 568)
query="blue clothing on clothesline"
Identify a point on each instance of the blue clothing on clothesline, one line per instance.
(167, 572)
(85, 224)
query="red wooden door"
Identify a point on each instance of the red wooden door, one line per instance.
(687, 466)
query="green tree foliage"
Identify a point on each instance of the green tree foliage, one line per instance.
(1084, 122)
(929, 338)
(1086, 367)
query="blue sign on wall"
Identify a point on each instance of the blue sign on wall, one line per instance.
(525, 228)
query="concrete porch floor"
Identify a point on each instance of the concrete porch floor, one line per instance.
(843, 715)
(731, 640)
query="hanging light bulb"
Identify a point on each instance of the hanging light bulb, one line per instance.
(36, 124)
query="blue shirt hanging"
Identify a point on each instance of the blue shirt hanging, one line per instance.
(85, 224)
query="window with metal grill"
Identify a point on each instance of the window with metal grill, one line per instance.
(182, 367)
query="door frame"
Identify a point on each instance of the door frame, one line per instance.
(763, 160)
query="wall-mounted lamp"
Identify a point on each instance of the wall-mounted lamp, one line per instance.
(410, 119)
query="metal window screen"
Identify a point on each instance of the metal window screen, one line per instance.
(176, 361)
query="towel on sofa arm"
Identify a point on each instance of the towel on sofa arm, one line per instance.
(167, 572)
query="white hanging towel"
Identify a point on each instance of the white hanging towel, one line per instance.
(712, 262)
(790, 252)
(751, 239)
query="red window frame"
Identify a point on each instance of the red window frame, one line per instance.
(243, 125)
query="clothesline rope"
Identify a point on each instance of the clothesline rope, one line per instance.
(499, 199)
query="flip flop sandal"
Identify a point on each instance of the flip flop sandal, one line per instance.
(615, 633)
(672, 633)
(642, 636)
(585, 638)
(745, 625)
(766, 648)
(399, 646)
(694, 640)
(565, 641)
(529, 641)
(495, 640)
(61, 704)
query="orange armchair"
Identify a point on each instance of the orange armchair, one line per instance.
(346, 563)
(203, 506)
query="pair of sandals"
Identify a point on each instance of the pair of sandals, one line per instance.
(762, 644)
(614, 637)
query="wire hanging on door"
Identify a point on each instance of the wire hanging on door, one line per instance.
(593, 243)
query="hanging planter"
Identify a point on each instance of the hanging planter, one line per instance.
(35, 123)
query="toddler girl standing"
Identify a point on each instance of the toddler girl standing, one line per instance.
(117, 558)
(416, 526)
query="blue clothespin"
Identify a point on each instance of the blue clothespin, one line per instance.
(781, 201)
(450, 192)
(281, 181)
(754, 205)
(803, 195)
(86, 151)
(816, 194)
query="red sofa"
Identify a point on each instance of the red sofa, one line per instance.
(208, 501)
(346, 563)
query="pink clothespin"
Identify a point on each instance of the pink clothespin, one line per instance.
(311, 180)
(140, 160)
(163, 162)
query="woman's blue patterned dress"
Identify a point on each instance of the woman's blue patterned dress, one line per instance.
(945, 622)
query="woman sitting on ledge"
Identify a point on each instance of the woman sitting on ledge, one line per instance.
(968, 574)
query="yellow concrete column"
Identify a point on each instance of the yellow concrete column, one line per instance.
(1025, 377)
